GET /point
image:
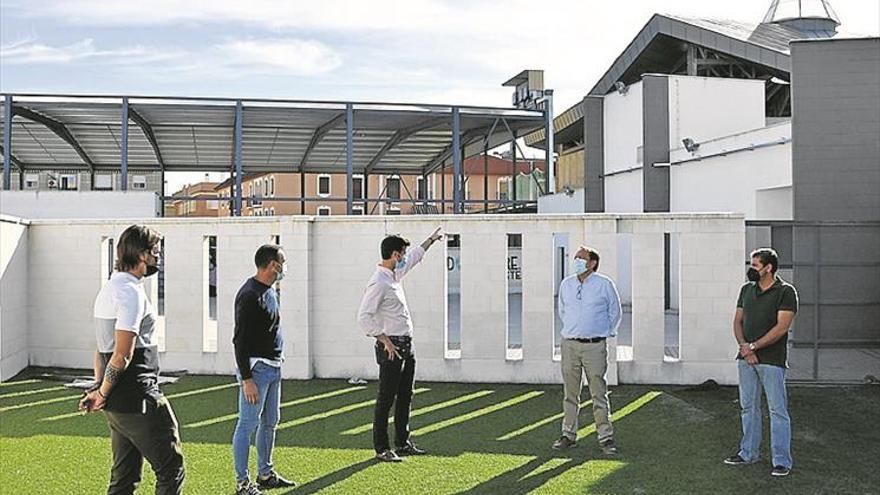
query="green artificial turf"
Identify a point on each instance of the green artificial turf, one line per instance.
(489, 438)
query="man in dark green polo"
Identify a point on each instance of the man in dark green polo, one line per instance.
(764, 312)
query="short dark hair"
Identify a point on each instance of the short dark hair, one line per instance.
(266, 254)
(392, 244)
(767, 256)
(593, 255)
(135, 240)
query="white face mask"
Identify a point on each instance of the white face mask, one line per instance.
(580, 266)
(279, 276)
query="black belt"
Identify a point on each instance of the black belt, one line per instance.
(589, 341)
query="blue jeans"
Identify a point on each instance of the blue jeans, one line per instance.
(751, 380)
(261, 418)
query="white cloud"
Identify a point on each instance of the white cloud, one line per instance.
(32, 52)
(294, 56)
(401, 48)
(330, 14)
(232, 59)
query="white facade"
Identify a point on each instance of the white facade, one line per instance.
(623, 138)
(561, 202)
(748, 172)
(742, 165)
(35, 205)
(330, 261)
(704, 108)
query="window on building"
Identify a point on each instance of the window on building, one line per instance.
(272, 186)
(67, 182)
(323, 211)
(139, 182)
(103, 182)
(393, 188)
(357, 210)
(503, 191)
(421, 188)
(393, 210)
(357, 187)
(31, 181)
(323, 185)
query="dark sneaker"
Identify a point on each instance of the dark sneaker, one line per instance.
(736, 460)
(780, 471)
(389, 456)
(409, 449)
(274, 480)
(564, 443)
(608, 447)
(247, 487)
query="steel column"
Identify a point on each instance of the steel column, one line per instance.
(349, 156)
(456, 161)
(123, 145)
(7, 143)
(237, 137)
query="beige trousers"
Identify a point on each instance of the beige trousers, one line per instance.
(590, 358)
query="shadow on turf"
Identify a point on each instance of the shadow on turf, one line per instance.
(330, 479)
(476, 434)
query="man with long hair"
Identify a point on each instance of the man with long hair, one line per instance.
(142, 423)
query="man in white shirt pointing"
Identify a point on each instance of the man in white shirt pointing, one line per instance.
(385, 316)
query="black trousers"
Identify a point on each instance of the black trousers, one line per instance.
(154, 435)
(396, 379)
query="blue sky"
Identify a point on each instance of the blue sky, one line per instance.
(431, 51)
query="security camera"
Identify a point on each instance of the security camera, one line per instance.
(690, 144)
(621, 88)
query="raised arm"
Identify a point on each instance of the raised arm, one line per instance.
(414, 256)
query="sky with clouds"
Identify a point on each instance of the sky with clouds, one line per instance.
(431, 51)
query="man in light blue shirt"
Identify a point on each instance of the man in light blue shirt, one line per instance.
(589, 308)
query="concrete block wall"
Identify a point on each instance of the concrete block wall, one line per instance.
(35, 205)
(330, 261)
(14, 252)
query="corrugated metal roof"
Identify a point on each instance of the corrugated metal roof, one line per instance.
(196, 134)
(769, 36)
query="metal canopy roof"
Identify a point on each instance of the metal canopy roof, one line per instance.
(197, 134)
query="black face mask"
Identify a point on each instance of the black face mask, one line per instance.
(753, 275)
(153, 269)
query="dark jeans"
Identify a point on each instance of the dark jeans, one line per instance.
(154, 435)
(396, 379)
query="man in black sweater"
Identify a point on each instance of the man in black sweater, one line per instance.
(258, 354)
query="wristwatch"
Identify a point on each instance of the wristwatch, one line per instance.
(752, 346)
